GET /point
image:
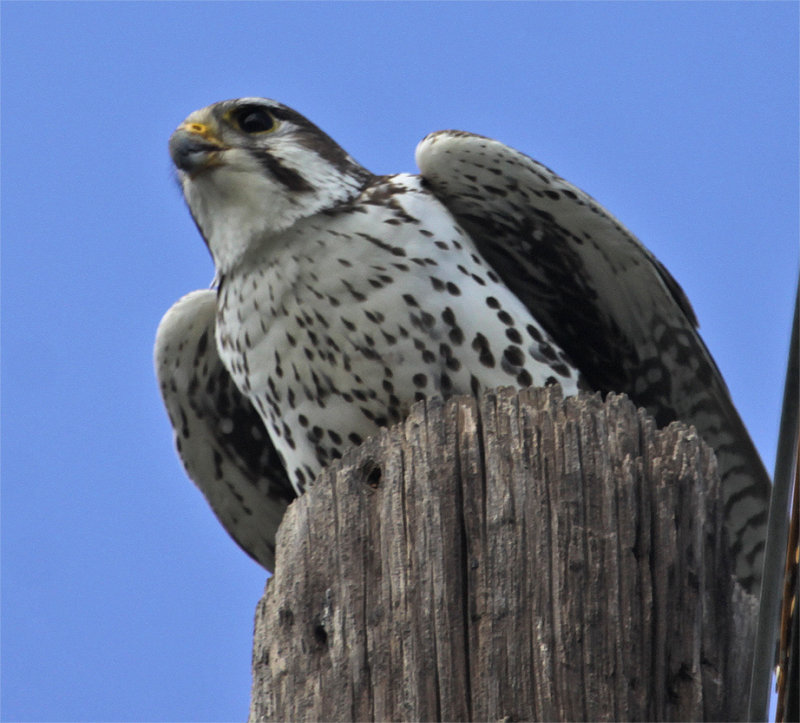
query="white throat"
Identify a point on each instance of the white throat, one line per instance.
(239, 206)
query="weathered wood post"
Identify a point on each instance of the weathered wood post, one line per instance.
(523, 557)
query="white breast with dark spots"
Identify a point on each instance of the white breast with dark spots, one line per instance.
(354, 315)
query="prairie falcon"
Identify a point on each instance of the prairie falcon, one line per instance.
(342, 297)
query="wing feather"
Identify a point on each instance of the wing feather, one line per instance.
(220, 437)
(607, 301)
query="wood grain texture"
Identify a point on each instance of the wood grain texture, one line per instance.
(521, 557)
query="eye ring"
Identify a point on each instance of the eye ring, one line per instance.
(254, 120)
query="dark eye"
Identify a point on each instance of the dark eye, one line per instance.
(254, 120)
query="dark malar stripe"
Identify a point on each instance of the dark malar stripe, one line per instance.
(287, 176)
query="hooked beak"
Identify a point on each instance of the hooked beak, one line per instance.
(195, 147)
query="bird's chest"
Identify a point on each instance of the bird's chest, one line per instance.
(310, 323)
(346, 323)
(335, 334)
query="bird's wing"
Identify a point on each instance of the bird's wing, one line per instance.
(220, 437)
(606, 300)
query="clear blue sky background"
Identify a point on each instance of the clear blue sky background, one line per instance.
(122, 598)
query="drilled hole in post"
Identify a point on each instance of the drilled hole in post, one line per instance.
(371, 474)
(320, 634)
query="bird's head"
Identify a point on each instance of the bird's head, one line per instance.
(250, 168)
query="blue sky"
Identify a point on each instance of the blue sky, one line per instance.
(122, 598)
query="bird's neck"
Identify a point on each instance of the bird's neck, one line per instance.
(257, 214)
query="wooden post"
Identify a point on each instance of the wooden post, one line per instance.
(523, 557)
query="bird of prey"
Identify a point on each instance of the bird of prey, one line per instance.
(342, 297)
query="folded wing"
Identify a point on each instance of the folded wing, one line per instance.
(220, 437)
(607, 301)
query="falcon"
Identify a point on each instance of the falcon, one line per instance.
(342, 297)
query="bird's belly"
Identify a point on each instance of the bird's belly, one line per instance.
(326, 377)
